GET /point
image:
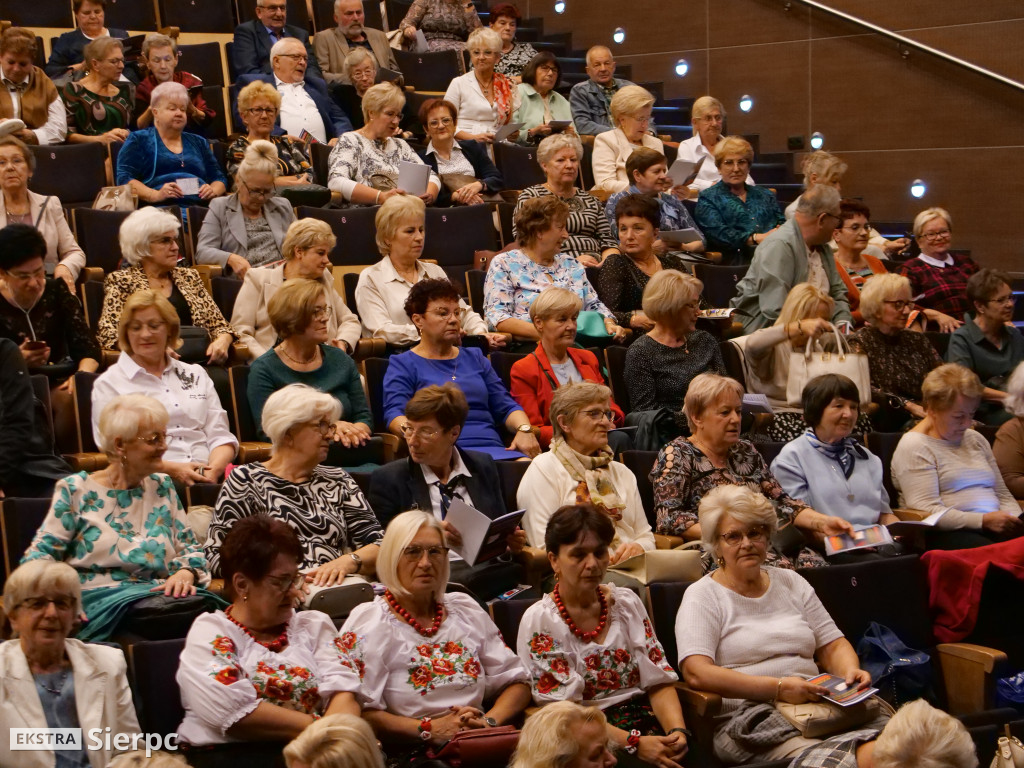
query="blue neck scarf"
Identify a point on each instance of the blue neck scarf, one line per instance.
(845, 451)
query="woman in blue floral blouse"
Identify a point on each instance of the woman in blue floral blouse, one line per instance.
(123, 528)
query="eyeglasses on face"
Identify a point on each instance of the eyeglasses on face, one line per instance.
(323, 313)
(325, 427)
(26, 276)
(414, 553)
(758, 534)
(855, 228)
(166, 240)
(732, 163)
(935, 235)
(422, 433)
(442, 313)
(284, 583)
(438, 122)
(598, 414)
(898, 304)
(262, 110)
(154, 440)
(296, 56)
(63, 603)
(258, 191)
(1011, 299)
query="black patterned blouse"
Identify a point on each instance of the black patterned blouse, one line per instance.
(91, 114)
(683, 474)
(291, 156)
(899, 363)
(328, 512)
(621, 283)
(588, 227)
(514, 62)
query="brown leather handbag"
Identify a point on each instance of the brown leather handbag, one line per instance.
(479, 748)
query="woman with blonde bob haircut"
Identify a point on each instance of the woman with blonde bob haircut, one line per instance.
(944, 465)
(300, 315)
(412, 709)
(259, 104)
(335, 741)
(306, 249)
(661, 364)
(384, 287)
(564, 734)
(631, 108)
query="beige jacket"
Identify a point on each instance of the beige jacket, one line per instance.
(252, 320)
(331, 47)
(611, 151)
(102, 699)
(61, 246)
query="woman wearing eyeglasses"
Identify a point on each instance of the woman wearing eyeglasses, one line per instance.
(259, 670)
(300, 315)
(464, 167)
(631, 113)
(259, 104)
(123, 527)
(849, 243)
(338, 532)
(247, 228)
(427, 660)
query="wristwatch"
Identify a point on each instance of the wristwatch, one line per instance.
(491, 722)
(525, 429)
(357, 560)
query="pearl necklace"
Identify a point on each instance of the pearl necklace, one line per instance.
(602, 620)
(429, 632)
(275, 646)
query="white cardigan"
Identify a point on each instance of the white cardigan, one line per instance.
(102, 699)
(547, 485)
(476, 114)
(611, 151)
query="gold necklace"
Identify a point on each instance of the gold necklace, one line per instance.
(283, 351)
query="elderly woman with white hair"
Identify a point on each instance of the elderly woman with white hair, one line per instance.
(155, 159)
(123, 529)
(306, 253)
(938, 277)
(942, 465)
(588, 236)
(734, 214)
(579, 468)
(259, 104)
(1009, 446)
(898, 358)
(49, 680)
(689, 468)
(707, 116)
(484, 99)
(458, 659)
(200, 445)
(383, 288)
(364, 163)
(360, 70)
(149, 244)
(247, 228)
(755, 635)
(335, 741)
(337, 529)
(259, 670)
(564, 735)
(631, 108)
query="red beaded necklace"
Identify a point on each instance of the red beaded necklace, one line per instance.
(276, 646)
(586, 637)
(429, 632)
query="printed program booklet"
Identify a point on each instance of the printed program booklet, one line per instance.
(863, 536)
(482, 537)
(840, 693)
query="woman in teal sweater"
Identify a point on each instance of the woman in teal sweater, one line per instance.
(300, 314)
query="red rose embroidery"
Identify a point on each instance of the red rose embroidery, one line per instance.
(634, 678)
(472, 668)
(451, 647)
(607, 679)
(265, 668)
(442, 667)
(655, 654)
(300, 672)
(589, 692)
(560, 666)
(648, 630)
(541, 644)
(421, 677)
(227, 676)
(546, 683)
(621, 656)
(360, 668)
(347, 641)
(223, 645)
(593, 661)
(310, 700)
(425, 650)
(279, 689)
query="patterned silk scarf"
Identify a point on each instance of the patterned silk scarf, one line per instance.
(845, 451)
(593, 475)
(502, 98)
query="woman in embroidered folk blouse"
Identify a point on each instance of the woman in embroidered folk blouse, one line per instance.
(444, 655)
(364, 163)
(123, 528)
(593, 643)
(516, 277)
(259, 670)
(688, 468)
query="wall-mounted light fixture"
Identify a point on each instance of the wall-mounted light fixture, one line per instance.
(918, 188)
(817, 140)
(746, 103)
(619, 35)
(682, 67)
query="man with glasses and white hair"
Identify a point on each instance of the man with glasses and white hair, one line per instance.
(791, 254)
(305, 105)
(437, 472)
(254, 39)
(333, 46)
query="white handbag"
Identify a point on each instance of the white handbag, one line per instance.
(815, 361)
(1009, 752)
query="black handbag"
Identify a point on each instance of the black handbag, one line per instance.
(161, 617)
(194, 342)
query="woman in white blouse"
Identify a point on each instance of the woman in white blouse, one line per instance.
(364, 164)
(592, 643)
(631, 109)
(484, 99)
(199, 443)
(427, 660)
(384, 287)
(259, 671)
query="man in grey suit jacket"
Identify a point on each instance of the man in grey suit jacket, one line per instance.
(333, 45)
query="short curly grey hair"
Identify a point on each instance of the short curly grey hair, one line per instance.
(296, 404)
(555, 143)
(140, 227)
(125, 417)
(739, 502)
(41, 577)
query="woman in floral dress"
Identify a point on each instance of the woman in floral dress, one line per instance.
(427, 660)
(123, 528)
(592, 643)
(445, 23)
(259, 671)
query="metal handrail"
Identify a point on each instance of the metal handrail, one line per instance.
(908, 42)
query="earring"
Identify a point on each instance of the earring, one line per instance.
(245, 598)
(124, 461)
(721, 562)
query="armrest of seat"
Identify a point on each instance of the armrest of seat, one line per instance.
(914, 515)
(217, 587)
(702, 704)
(969, 673)
(251, 450)
(87, 461)
(92, 274)
(369, 348)
(392, 445)
(206, 273)
(109, 357)
(535, 562)
(661, 541)
(239, 352)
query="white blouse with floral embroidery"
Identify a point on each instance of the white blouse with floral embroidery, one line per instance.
(224, 674)
(629, 662)
(410, 675)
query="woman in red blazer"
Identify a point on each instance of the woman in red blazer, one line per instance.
(555, 361)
